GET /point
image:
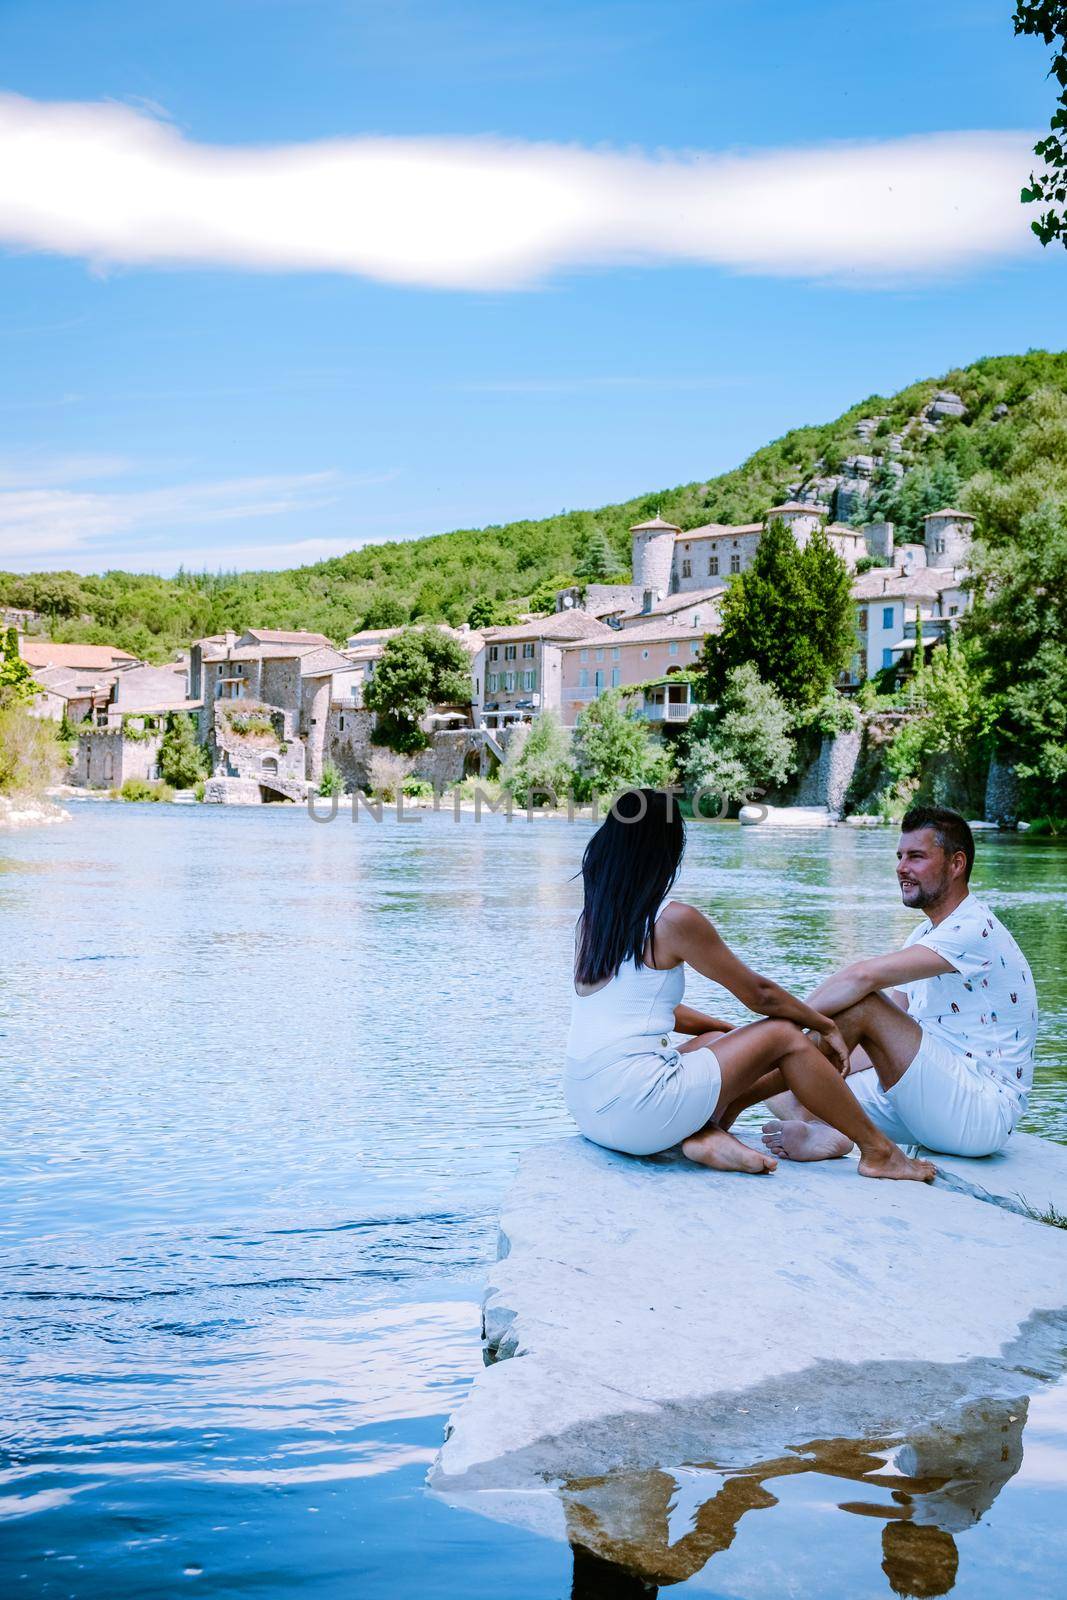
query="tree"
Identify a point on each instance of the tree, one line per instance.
(17, 683)
(831, 613)
(540, 768)
(597, 561)
(743, 743)
(419, 668)
(614, 749)
(385, 611)
(486, 613)
(182, 762)
(543, 598)
(943, 751)
(1019, 631)
(785, 616)
(1047, 20)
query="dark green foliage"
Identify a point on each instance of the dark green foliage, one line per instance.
(1018, 631)
(182, 762)
(790, 615)
(385, 611)
(614, 748)
(1047, 20)
(485, 613)
(419, 668)
(597, 561)
(17, 683)
(741, 744)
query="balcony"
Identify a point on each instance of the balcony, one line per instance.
(668, 701)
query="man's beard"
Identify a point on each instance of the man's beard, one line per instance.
(917, 898)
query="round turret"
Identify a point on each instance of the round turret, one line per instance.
(653, 554)
(948, 537)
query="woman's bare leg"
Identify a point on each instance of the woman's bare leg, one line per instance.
(747, 1055)
(713, 1145)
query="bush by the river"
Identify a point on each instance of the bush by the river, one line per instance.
(31, 756)
(743, 743)
(139, 789)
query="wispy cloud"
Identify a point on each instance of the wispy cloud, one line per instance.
(117, 186)
(47, 522)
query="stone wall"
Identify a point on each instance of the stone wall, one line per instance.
(1001, 793)
(826, 780)
(105, 758)
(347, 743)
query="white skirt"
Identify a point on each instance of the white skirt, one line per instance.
(642, 1095)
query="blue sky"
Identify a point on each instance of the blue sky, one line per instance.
(283, 345)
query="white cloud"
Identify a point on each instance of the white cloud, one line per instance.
(115, 185)
(45, 524)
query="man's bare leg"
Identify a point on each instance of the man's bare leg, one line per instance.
(883, 1039)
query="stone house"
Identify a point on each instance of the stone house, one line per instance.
(105, 756)
(524, 664)
(926, 580)
(636, 655)
(285, 684)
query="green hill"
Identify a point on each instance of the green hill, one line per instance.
(998, 463)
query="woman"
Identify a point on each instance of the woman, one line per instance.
(627, 1085)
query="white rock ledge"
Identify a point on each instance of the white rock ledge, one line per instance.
(658, 1313)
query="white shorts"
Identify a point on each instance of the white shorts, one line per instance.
(642, 1095)
(944, 1101)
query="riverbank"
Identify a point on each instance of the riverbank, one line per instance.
(29, 811)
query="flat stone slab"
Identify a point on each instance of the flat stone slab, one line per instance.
(1029, 1176)
(650, 1312)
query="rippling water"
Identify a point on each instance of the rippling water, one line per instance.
(263, 1084)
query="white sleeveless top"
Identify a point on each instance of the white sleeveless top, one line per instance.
(638, 1000)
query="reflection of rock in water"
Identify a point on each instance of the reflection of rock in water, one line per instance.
(626, 1542)
(919, 1562)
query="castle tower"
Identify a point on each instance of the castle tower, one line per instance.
(800, 519)
(653, 555)
(948, 537)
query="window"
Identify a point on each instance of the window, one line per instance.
(527, 651)
(598, 681)
(494, 652)
(952, 610)
(490, 683)
(687, 569)
(887, 616)
(583, 678)
(600, 655)
(509, 652)
(584, 656)
(644, 655)
(616, 652)
(696, 619)
(529, 679)
(887, 658)
(735, 563)
(694, 647)
(673, 647)
(736, 542)
(341, 722)
(713, 566)
(616, 677)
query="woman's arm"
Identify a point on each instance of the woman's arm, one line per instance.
(686, 1020)
(685, 934)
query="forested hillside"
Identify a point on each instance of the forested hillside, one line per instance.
(999, 463)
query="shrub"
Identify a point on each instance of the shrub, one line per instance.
(31, 756)
(614, 749)
(743, 743)
(418, 788)
(331, 781)
(199, 789)
(388, 770)
(137, 789)
(540, 765)
(181, 760)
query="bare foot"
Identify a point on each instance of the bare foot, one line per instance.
(895, 1164)
(714, 1147)
(805, 1141)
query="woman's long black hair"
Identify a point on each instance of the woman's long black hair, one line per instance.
(628, 866)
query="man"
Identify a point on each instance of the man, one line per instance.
(945, 1058)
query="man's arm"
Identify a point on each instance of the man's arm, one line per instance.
(866, 977)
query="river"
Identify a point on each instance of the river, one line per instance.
(263, 1085)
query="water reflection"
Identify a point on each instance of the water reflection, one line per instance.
(635, 1533)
